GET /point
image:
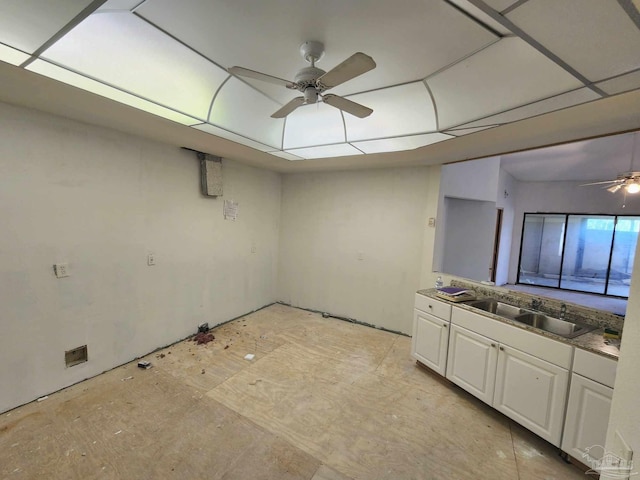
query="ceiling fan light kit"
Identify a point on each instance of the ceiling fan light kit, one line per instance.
(629, 181)
(312, 81)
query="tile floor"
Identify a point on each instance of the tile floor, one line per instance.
(322, 400)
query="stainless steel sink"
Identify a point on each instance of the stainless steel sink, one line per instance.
(497, 308)
(538, 320)
(553, 325)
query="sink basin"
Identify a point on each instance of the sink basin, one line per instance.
(553, 325)
(497, 308)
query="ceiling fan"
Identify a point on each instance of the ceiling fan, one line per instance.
(313, 81)
(630, 181)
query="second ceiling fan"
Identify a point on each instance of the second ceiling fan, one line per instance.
(313, 81)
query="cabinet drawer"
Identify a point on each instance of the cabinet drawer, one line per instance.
(434, 307)
(596, 367)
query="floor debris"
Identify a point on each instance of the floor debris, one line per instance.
(203, 338)
(130, 377)
(43, 398)
(249, 356)
(161, 355)
(118, 432)
(202, 371)
(255, 382)
(144, 364)
(226, 346)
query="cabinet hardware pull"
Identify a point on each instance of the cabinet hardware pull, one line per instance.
(444, 325)
(430, 306)
(493, 345)
(502, 348)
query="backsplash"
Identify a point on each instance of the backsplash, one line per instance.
(549, 306)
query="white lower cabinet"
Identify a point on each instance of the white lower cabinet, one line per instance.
(472, 361)
(532, 392)
(527, 389)
(589, 405)
(519, 373)
(429, 340)
(587, 418)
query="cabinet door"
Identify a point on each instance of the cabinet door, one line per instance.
(587, 418)
(471, 362)
(532, 392)
(429, 341)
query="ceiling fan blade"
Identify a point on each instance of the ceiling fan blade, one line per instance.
(245, 72)
(355, 65)
(614, 188)
(600, 183)
(348, 106)
(289, 107)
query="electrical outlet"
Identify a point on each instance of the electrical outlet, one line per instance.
(151, 259)
(61, 270)
(432, 222)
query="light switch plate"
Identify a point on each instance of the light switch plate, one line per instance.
(151, 259)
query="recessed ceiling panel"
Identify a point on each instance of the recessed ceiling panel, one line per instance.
(286, 155)
(397, 144)
(244, 110)
(316, 124)
(408, 40)
(326, 151)
(624, 83)
(76, 80)
(397, 111)
(120, 5)
(460, 132)
(475, 12)
(127, 52)
(505, 75)
(220, 132)
(11, 55)
(595, 37)
(499, 5)
(558, 102)
(28, 24)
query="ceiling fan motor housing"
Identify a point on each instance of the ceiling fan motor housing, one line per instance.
(307, 77)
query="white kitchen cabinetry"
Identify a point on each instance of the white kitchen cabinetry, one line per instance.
(527, 383)
(589, 405)
(532, 392)
(472, 362)
(431, 333)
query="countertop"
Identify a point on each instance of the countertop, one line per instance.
(592, 341)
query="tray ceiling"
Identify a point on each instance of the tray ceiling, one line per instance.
(445, 69)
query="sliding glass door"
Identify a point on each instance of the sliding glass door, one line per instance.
(586, 253)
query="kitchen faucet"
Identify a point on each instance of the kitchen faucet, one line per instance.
(563, 311)
(536, 303)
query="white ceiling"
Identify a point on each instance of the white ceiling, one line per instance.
(446, 70)
(587, 161)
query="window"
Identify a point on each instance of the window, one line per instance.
(586, 253)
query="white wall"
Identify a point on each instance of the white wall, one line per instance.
(100, 201)
(507, 191)
(472, 180)
(469, 238)
(330, 220)
(564, 197)
(625, 414)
